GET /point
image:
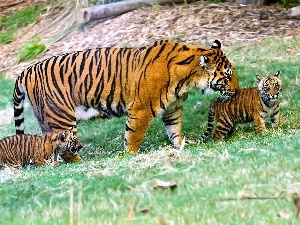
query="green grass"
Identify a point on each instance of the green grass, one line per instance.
(211, 177)
(9, 25)
(31, 49)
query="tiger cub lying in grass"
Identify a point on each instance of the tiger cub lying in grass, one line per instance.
(25, 149)
(248, 104)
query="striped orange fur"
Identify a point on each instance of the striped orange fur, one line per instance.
(140, 82)
(248, 104)
(25, 149)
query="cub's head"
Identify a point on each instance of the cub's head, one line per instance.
(68, 145)
(269, 87)
(68, 141)
(222, 75)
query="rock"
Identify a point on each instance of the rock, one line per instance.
(295, 13)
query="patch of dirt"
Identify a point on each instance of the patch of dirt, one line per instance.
(197, 23)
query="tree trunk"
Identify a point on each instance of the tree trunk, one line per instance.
(295, 12)
(114, 9)
(253, 2)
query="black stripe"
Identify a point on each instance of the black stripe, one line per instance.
(152, 109)
(183, 48)
(99, 90)
(160, 51)
(146, 55)
(186, 61)
(74, 57)
(127, 63)
(127, 128)
(171, 121)
(174, 47)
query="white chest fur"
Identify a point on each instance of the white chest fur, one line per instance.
(84, 113)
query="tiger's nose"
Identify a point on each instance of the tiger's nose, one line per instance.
(77, 148)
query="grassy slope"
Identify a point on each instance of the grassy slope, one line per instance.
(208, 174)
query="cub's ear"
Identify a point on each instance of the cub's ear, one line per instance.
(257, 79)
(203, 61)
(277, 73)
(216, 44)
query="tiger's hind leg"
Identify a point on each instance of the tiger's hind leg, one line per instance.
(222, 129)
(172, 120)
(210, 123)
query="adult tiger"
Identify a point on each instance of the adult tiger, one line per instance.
(140, 82)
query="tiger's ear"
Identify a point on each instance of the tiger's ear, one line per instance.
(72, 129)
(216, 44)
(203, 61)
(277, 73)
(257, 79)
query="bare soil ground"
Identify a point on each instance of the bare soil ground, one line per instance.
(197, 23)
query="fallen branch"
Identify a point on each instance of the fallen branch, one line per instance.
(114, 9)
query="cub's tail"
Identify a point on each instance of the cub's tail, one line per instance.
(19, 97)
(210, 123)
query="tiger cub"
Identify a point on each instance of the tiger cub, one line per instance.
(141, 83)
(248, 104)
(26, 149)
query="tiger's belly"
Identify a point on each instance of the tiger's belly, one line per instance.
(84, 113)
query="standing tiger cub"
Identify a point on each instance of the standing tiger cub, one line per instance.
(25, 149)
(141, 83)
(248, 104)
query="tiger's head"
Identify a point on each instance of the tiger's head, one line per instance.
(222, 75)
(269, 87)
(67, 141)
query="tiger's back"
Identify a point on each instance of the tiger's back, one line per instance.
(26, 149)
(139, 82)
(248, 104)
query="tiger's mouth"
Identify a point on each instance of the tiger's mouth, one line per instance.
(71, 149)
(269, 98)
(75, 149)
(273, 99)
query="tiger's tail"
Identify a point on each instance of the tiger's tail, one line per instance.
(210, 123)
(19, 97)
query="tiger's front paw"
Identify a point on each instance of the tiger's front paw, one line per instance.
(130, 151)
(70, 157)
